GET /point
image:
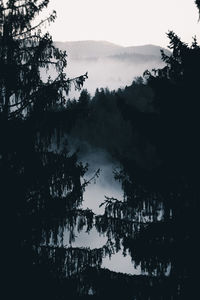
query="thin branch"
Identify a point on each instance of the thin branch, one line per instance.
(15, 113)
(131, 221)
(28, 102)
(30, 37)
(78, 77)
(86, 182)
(36, 26)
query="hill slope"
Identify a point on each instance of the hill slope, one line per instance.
(99, 49)
(107, 64)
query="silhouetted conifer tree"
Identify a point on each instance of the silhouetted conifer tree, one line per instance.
(41, 190)
(24, 52)
(158, 220)
(198, 4)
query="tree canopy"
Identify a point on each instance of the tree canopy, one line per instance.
(198, 4)
(24, 52)
(42, 184)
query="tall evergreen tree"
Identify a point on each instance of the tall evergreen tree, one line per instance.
(198, 4)
(41, 190)
(24, 52)
(158, 220)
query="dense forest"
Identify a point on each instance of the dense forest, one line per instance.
(149, 127)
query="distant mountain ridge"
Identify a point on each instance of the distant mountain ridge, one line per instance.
(109, 65)
(101, 49)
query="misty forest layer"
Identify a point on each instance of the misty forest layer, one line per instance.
(149, 127)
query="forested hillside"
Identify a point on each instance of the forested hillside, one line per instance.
(150, 128)
(109, 65)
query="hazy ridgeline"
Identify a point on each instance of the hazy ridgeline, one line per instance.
(108, 65)
(108, 179)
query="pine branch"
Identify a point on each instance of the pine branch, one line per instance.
(51, 18)
(30, 101)
(130, 221)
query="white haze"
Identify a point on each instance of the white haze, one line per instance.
(108, 73)
(108, 65)
(94, 195)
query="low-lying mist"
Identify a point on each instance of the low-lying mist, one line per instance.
(110, 72)
(105, 184)
(94, 195)
(108, 65)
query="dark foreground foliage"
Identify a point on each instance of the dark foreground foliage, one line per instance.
(157, 125)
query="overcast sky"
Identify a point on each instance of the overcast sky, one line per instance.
(124, 22)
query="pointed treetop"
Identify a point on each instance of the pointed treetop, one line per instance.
(198, 5)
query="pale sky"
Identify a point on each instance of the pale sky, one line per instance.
(124, 22)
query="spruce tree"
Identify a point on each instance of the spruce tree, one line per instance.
(24, 52)
(198, 4)
(41, 189)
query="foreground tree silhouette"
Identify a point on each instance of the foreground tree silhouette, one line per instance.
(24, 52)
(198, 4)
(158, 220)
(41, 190)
